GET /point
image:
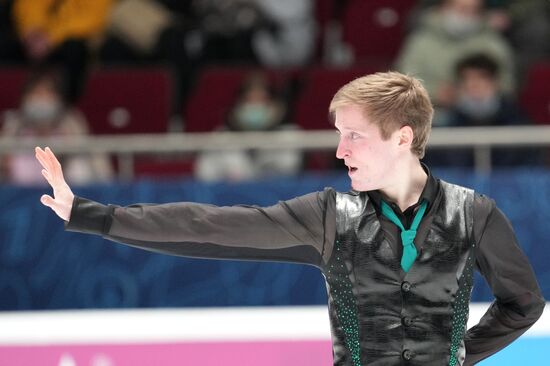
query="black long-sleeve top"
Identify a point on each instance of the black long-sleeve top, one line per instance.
(303, 230)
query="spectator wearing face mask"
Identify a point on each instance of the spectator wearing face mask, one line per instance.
(481, 101)
(445, 34)
(43, 113)
(257, 109)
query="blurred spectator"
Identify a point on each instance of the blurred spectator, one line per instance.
(443, 35)
(145, 31)
(60, 33)
(292, 41)
(228, 28)
(257, 109)
(524, 23)
(480, 101)
(527, 24)
(43, 113)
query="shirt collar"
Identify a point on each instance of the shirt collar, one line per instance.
(429, 192)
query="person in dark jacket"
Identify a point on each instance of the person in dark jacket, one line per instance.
(480, 101)
(398, 251)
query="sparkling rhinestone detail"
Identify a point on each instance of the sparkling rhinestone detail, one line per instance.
(345, 304)
(461, 308)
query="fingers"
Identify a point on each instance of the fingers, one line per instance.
(50, 163)
(44, 159)
(46, 175)
(47, 200)
(55, 165)
(40, 156)
(62, 210)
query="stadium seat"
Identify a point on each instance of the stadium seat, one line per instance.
(12, 80)
(212, 97)
(311, 110)
(324, 11)
(375, 28)
(535, 96)
(163, 167)
(127, 100)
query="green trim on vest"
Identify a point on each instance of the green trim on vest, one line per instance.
(341, 291)
(365, 284)
(461, 308)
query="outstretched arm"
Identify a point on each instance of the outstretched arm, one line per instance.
(298, 230)
(62, 200)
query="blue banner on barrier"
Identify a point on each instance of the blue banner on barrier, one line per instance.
(43, 267)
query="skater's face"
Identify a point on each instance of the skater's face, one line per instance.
(370, 159)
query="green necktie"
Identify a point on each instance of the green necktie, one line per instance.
(407, 236)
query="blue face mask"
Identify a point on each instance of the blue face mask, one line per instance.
(254, 116)
(478, 108)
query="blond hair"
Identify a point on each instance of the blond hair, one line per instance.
(391, 100)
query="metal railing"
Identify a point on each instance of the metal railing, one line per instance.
(125, 147)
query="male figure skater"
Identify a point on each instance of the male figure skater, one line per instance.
(398, 251)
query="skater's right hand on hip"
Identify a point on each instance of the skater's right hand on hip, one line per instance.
(62, 200)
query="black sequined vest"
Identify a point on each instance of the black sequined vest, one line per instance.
(383, 316)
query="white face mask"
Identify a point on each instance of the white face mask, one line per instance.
(459, 25)
(41, 110)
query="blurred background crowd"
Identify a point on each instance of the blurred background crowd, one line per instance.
(77, 67)
(75, 71)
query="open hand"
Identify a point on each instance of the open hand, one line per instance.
(62, 200)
